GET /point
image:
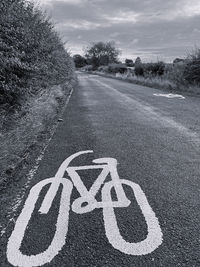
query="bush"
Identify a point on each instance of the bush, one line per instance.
(32, 56)
(154, 69)
(175, 73)
(103, 69)
(139, 70)
(117, 68)
(192, 69)
(87, 68)
(150, 69)
(129, 62)
(79, 61)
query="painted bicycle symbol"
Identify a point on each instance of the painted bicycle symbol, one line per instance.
(83, 204)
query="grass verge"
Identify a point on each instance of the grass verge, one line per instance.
(28, 129)
(154, 82)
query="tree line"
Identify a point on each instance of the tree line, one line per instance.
(104, 57)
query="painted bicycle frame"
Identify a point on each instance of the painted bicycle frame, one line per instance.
(83, 204)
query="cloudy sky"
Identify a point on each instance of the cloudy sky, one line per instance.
(151, 29)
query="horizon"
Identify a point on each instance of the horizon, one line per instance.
(153, 30)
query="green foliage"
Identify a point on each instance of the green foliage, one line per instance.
(32, 55)
(102, 54)
(192, 70)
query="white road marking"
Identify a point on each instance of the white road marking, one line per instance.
(148, 111)
(108, 166)
(14, 255)
(154, 236)
(18, 199)
(171, 96)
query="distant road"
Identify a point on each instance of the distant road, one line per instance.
(144, 208)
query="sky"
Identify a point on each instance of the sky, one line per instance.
(152, 29)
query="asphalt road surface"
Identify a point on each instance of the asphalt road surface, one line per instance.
(146, 139)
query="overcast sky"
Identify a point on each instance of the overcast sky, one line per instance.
(151, 29)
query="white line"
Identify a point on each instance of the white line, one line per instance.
(18, 199)
(170, 96)
(14, 255)
(149, 112)
(46, 204)
(154, 237)
(146, 246)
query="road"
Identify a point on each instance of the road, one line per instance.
(156, 142)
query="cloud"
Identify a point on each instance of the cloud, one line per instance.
(78, 25)
(47, 2)
(114, 34)
(122, 17)
(135, 41)
(149, 28)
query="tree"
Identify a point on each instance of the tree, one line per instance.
(139, 68)
(138, 61)
(178, 60)
(79, 61)
(101, 53)
(129, 62)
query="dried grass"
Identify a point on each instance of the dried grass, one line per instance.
(159, 82)
(24, 127)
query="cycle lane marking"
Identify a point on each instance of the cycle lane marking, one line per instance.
(152, 241)
(18, 199)
(148, 111)
(170, 95)
(14, 255)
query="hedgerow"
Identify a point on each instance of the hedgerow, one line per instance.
(150, 69)
(32, 56)
(192, 69)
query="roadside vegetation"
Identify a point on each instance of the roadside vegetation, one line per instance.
(36, 76)
(32, 56)
(182, 75)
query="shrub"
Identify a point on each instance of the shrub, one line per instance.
(32, 56)
(175, 73)
(117, 68)
(154, 69)
(129, 62)
(139, 70)
(103, 68)
(79, 61)
(87, 68)
(192, 69)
